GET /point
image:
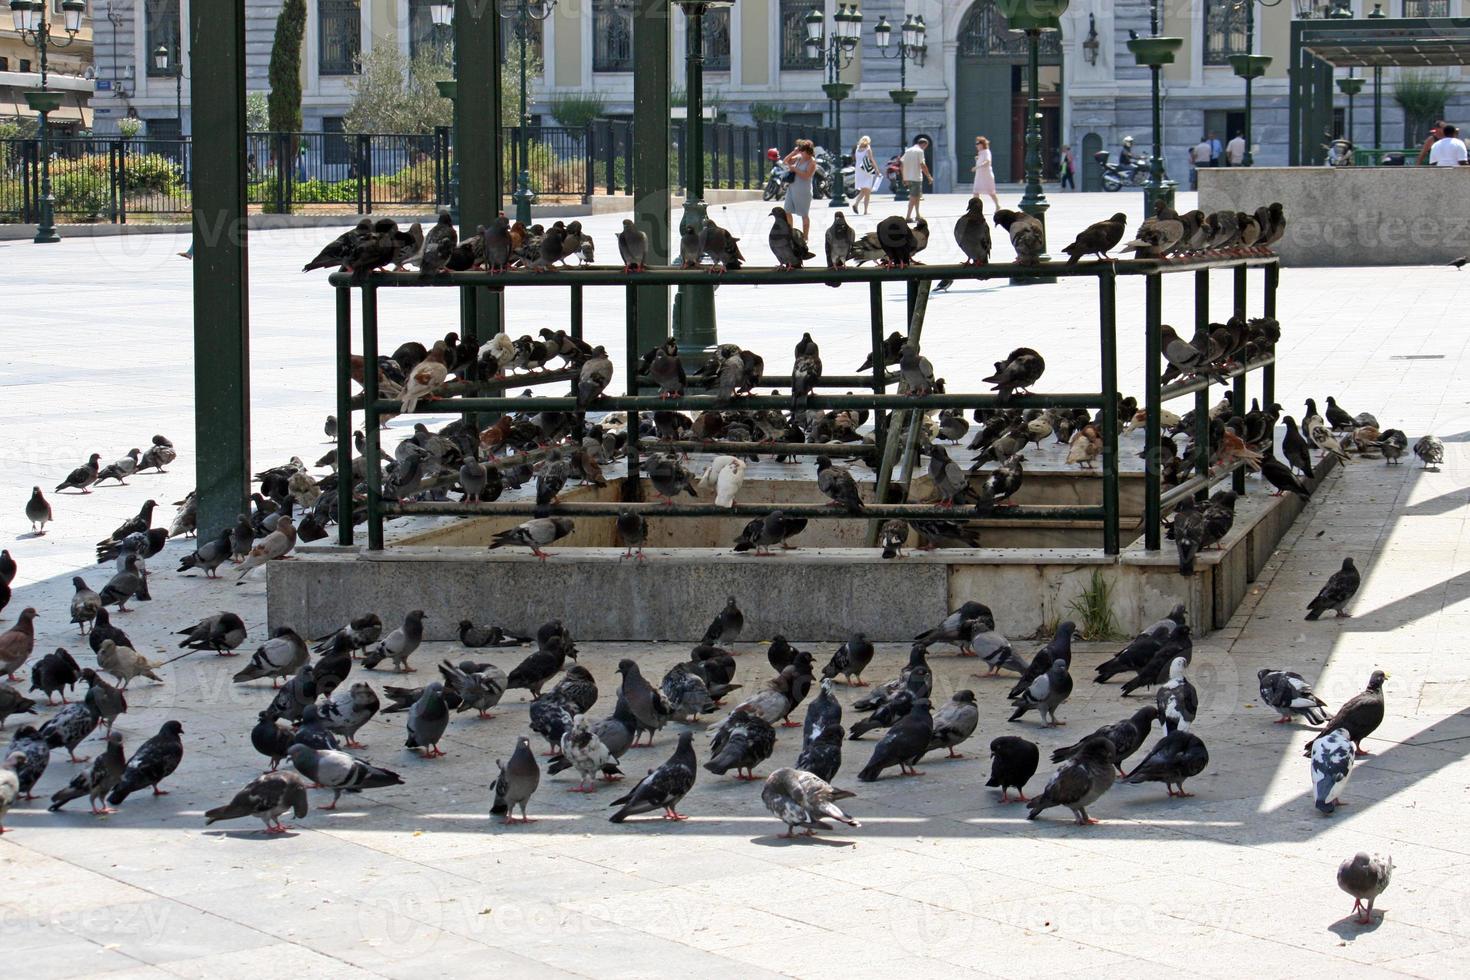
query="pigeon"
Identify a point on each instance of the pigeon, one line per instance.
(1028, 235)
(120, 469)
(1176, 699)
(1098, 238)
(54, 673)
(12, 702)
(471, 635)
(1338, 591)
(1127, 736)
(332, 668)
(787, 243)
(1173, 759)
(477, 686)
(1294, 448)
(1332, 764)
(726, 627)
(1021, 369)
(850, 660)
(274, 545)
(82, 477)
(1178, 642)
(1280, 476)
(1430, 450)
(1158, 235)
(10, 789)
(1141, 649)
(687, 694)
(339, 772)
(152, 763)
(837, 484)
(17, 643)
(1013, 762)
(839, 241)
(949, 482)
(1078, 782)
(398, 645)
(125, 663)
(535, 534)
(532, 673)
(903, 744)
(103, 699)
(669, 477)
(438, 245)
(338, 250)
(1046, 693)
(915, 372)
(7, 568)
(292, 699)
(224, 632)
(1392, 443)
(803, 799)
(888, 353)
(1360, 715)
(742, 742)
(1189, 534)
(892, 536)
(209, 556)
(954, 723)
(280, 656)
(806, 371)
(1364, 878)
(272, 737)
(266, 797)
(427, 720)
(127, 584)
(663, 787)
(632, 247)
(348, 710)
(102, 630)
(645, 703)
(156, 457)
(972, 234)
(595, 374)
(35, 751)
(1337, 419)
(96, 782)
(1059, 648)
(1290, 694)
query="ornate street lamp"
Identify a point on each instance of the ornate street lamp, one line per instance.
(1350, 87)
(1032, 17)
(1377, 14)
(523, 13)
(166, 64)
(695, 328)
(31, 23)
(1155, 52)
(1250, 67)
(838, 50)
(441, 14)
(911, 47)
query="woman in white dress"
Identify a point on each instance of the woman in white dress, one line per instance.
(984, 172)
(865, 175)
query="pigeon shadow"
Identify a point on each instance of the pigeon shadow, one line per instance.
(253, 835)
(777, 840)
(1349, 928)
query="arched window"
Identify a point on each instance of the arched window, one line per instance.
(1225, 30)
(612, 35)
(984, 33)
(716, 39)
(339, 36)
(162, 28)
(793, 35)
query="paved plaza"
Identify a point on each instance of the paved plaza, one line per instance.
(941, 879)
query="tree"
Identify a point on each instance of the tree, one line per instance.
(257, 112)
(393, 95)
(284, 101)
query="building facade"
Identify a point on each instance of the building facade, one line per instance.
(68, 70)
(970, 82)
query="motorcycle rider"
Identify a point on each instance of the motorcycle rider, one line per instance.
(1125, 154)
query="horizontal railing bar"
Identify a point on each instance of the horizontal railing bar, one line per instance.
(1195, 484)
(653, 403)
(611, 275)
(1181, 388)
(759, 448)
(611, 508)
(784, 381)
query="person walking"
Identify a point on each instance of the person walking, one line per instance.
(802, 162)
(984, 172)
(915, 172)
(1449, 149)
(1068, 168)
(1217, 150)
(865, 174)
(1235, 151)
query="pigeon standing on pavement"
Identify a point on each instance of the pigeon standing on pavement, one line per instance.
(954, 723)
(1338, 591)
(1013, 761)
(1332, 764)
(266, 797)
(17, 643)
(802, 799)
(903, 744)
(1177, 700)
(1430, 450)
(1364, 878)
(663, 787)
(339, 772)
(38, 512)
(96, 782)
(427, 721)
(1290, 694)
(152, 763)
(1078, 782)
(82, 477)
(1360, 715)
(398, 645)
(1173, 759)
(280, 656)
(54, 673)
(1045, 694)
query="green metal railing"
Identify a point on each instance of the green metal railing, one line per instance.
(476, 397)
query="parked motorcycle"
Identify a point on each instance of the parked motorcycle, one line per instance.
(1116, 176)
(776, 180)
(1340, 152)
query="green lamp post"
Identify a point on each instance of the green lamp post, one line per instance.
(911, 47)
(441, 15)
(838, 51)
(1250, 67)
(522, 14)
(1155, 52)
(695, 328)
(33, 26)
(1377, 14)
(1350, 87)
(1032, 17)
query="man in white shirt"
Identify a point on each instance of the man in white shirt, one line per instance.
(1448, 150)
(1199, 156)
(1235, 151)
(915, 171)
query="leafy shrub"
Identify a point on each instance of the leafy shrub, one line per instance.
(575, 110)
(81, 195)
(148, 173)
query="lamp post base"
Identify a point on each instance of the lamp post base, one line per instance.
(695, 328)
(524, 197)
(1153, 194)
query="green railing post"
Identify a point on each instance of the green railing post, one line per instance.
(633, 487)
(1272, 275)
(371, 465)
(1202, 397)
(577, 315)
(1107, 300)
(344, 415)
(469, 317)
(875, 319)
(1152, 464)
(646, 173)
(1239, 302)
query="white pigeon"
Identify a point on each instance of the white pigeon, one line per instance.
(425, 378)
(9, 784)
(272, 546)
(731, 479)
(501, 348)
(586, 752)
(710, 478)
(1332, 764)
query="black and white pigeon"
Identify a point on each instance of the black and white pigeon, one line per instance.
(1174, 758)
(222, 632)
(1079, 782)
(153, 762)
(804, 799)
(663, 787)
(551, 718)
(850, 660)
(955, 722)
(1338, 591)
(903, 745)
(686, 693)
(348, 710)
(281, 656)
(743, 741)
(821, 755)
(70, 726)
(1127, 736)
(1431, 450)
(1360, 715)
(1332, 764)
(1013, 761)
(35, 751)
(1177, 699)
(398, 645)
(583, 749)
(266, 797)
(1290, 694)
(1364, 877)
(427, 721)
(97, 781)
(339, 772)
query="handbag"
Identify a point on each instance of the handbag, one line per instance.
(789, 177)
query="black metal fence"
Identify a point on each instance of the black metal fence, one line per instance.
(110, 180)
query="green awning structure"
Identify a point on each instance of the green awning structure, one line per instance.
(1318, 47)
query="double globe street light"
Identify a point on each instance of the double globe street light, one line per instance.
(911, 47)
(30, 20)
(837, 50)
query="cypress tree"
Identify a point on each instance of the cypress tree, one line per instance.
(284, 101)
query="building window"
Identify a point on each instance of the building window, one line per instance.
(716, 39)
(793, 35)
(612, 35)
(4, 64)
(25, 64)
(1426, 8)
(510, 43)
(425, 38)
(984, 33)
(1224, 31)
(339, 36)
(162, 28)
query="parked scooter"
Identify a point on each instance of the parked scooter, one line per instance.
(1116, 176)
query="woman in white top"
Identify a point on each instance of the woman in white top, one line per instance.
(865, 175)
(984, 173)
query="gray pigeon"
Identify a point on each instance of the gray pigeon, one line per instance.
(85, 604)
(647, 705)
(1046, 693)
(1028, 235)
(427, 720)
(399, 644)
(837, 484)
(787, 243)
(265, 797)
(281, 656)
(915, 372)
(727, 626)
(438, 246)
(97, 781)
(954, 723)
(633, 247)
(802, 799)
(839, 241)
(536, 534)
(596, 372)
(1430, 450)
(38, 511)
(339, 772)
(972, 234)
(1078, 782)
(517, 782)
(1364, 878)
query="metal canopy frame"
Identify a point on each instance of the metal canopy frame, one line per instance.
(1320, 46)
